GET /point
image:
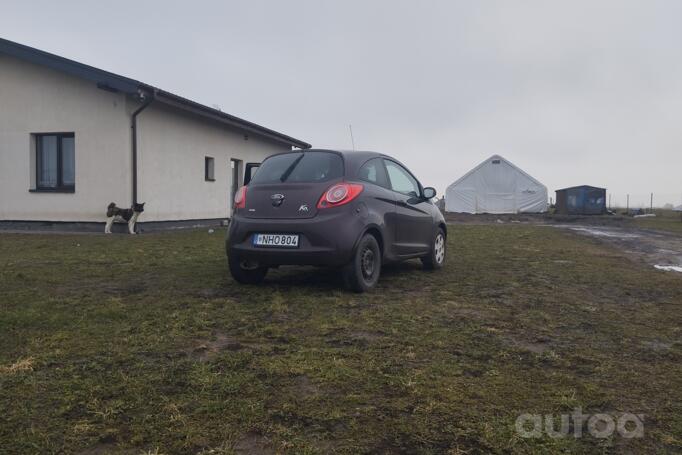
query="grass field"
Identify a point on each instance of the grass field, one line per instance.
(145, 345)
(665, 220)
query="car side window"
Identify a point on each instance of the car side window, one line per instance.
(373, 172)
(401, 180)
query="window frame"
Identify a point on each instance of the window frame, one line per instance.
(60, 187)
(207, 160)
(301, 153)
(249, 172)
(382, 177)
(400, 166)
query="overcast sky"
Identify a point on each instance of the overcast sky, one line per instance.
(573, 92)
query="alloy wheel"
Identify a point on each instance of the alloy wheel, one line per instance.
(439, 248)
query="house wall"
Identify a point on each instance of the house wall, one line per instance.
(172, 146)
(34, 99)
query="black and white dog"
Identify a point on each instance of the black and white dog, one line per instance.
(123, 216)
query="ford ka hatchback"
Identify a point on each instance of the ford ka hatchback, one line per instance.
(352, 210)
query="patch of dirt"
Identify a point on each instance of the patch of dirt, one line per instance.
(652, 247)
(538, 345)
(304, 387)
(253, 444)
(323, 279)
(277, 317)
(215, 293)
(489, 218)
(206, 350)
(536, 348)
(536, 218)
(357, 337)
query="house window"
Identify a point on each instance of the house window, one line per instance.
(55, 162)
(209, 169)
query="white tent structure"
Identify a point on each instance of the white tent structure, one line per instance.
(496, 186)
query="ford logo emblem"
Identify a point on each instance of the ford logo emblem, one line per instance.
(277, 199)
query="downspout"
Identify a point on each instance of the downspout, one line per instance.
(147, 100)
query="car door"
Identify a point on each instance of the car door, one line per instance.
(414, 223)
(381, 202)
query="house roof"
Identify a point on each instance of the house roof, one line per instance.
(117, 83)
(582, 186)
(496, 157)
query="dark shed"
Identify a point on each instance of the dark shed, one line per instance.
(581, 200)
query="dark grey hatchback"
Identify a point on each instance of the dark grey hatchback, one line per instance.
(354, 210)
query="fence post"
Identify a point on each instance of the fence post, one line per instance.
(627, 206)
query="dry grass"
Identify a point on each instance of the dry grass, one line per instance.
(146, 345)
(18, 366)
(665, 220)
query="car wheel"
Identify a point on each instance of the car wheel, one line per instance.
(362, 273)
(246, 272)
(436, 258)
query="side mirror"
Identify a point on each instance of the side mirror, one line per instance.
(429, 193)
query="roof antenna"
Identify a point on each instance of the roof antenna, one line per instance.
(350, 128)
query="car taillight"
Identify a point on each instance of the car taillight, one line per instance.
(340, 194)
(240, 198)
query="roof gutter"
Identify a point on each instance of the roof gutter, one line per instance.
(147, 99)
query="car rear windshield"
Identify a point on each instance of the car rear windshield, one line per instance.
(303, 167)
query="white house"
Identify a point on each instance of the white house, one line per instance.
(496, 186)
(74, 138)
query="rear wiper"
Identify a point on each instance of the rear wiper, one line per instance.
(290, 169)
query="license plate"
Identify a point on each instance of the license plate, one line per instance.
(276, 240)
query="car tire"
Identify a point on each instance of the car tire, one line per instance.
(436, 258)
(243, 273)
(362, 273)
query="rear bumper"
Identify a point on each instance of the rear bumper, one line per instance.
(328, 239)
